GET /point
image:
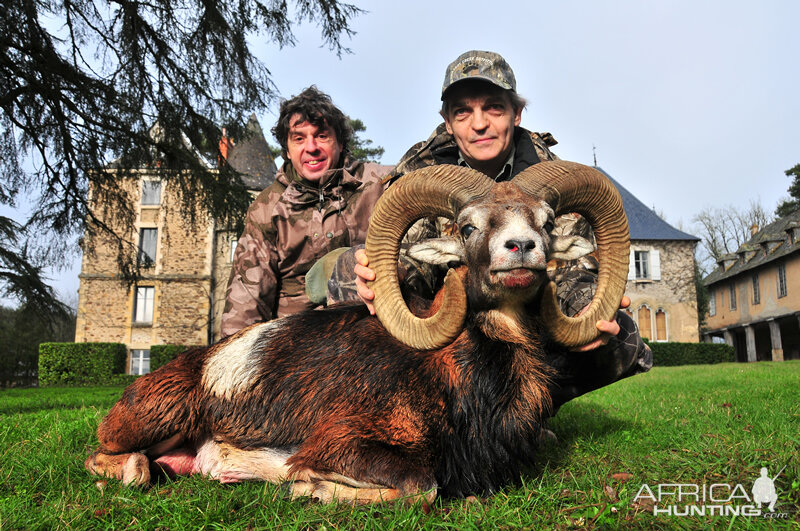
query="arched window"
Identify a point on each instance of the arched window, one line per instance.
(645, 326)
(661, 325)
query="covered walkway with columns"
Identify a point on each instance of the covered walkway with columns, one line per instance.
(773, 339)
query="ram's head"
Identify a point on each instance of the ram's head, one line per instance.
(505, 241)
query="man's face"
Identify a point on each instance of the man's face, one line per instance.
(482, 120)
(311, 149)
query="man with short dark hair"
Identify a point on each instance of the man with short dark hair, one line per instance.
(481, 130)
(321, 200)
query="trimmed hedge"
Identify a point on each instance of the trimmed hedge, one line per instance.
(81, 363)
(160, 355)
(671, 354)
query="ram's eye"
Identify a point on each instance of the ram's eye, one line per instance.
(548, 227)
(466, 230)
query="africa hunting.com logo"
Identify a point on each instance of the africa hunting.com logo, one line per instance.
(717, 499)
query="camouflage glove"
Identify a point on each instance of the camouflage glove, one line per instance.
(319, 274)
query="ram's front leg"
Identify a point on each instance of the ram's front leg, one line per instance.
(154, 415)
(353, 461)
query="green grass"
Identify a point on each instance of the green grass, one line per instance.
(699, 424)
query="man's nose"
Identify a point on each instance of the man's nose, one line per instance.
(479, 121)
(310, 144)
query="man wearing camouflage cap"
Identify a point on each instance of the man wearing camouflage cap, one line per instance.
(321, 200)
(482, 114)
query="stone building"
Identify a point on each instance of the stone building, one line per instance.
(754, 303)
(180, 294)
(661, 275)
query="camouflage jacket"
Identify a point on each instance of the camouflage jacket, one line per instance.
(288, 227)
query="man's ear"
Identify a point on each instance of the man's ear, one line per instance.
(569, 247)
(447, 124)
(437, 251)
(517, 117)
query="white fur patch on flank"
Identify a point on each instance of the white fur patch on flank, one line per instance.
(229, 464)
(232, 368)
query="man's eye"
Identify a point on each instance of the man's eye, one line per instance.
(466, 230)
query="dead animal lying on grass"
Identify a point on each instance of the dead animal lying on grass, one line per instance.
(343, 407)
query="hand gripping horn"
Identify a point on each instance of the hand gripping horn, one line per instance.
(571, 187)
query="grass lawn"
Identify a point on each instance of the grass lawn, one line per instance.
(706, 424)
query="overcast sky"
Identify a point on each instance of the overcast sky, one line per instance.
(689, 104)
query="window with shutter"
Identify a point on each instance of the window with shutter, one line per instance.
(661, 325)
(645, 327)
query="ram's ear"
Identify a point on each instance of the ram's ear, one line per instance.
(569, 247)
(438, 251)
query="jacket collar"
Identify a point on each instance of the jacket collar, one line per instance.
(301, 194)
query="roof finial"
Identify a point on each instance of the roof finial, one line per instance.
(594, 154)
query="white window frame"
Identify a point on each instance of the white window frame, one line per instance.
(782, 288)
(652, 317)
(654, 325)
(143, 304)
(140, 362)
(151, 192)
(756, 289)
(642, 264)
(145, 257)
(712, 304)
(650, 262)
(234, 244)
(732, 297)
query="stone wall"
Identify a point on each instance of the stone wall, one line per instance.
(674, 293)
(181, 277)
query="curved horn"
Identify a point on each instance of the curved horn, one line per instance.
(571, 187)
(432, 191)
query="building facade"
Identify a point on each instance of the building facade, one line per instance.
(661, 275)
(180, 293)
(755, 294)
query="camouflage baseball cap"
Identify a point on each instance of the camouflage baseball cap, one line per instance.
(481, 65)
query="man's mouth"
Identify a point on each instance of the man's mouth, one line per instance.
(314, 164)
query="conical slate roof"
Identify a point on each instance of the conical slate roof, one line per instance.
(252, 158)
(644, 224)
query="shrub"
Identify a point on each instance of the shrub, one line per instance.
(18, 367)
(671, 354)
(80, 363)
(160, 355)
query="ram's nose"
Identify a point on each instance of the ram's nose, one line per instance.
(520, 245)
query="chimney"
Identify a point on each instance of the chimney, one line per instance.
(225, 146)
(753, 229)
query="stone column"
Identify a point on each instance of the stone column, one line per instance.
(775, 336)
(728, 337)
(750, 335)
